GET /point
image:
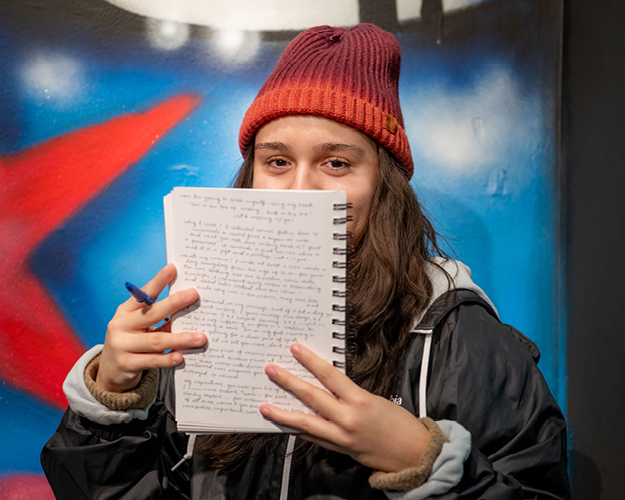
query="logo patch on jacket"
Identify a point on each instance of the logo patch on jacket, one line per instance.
(396, 400)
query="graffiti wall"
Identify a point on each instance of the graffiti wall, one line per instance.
(107, 105)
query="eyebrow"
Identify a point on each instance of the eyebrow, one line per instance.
(331, 147)
(326, 147)
(280, 146)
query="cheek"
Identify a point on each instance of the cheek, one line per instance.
(361, 197)
(259, 181)
(361, 202)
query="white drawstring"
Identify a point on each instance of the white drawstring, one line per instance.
(286, 469)
(425, 362)
(189, 453)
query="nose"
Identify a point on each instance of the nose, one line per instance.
(305, 177)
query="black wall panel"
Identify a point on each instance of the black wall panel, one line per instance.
(594, 163)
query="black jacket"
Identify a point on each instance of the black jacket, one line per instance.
(482, 374)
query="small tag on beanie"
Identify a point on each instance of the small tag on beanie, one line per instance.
(391, 124)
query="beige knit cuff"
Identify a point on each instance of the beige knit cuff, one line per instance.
(138, 398)
(413, 477)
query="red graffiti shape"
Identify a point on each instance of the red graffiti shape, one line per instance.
(40, 188)
(25, 487)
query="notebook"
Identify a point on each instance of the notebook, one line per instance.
(269, 266)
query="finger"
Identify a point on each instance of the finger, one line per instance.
(318, 399)
(150, 315)
(134, 363)
(122, 371)
(153, 288)
(302, 421)
(315, 429)
(157, 341)
(335, 381)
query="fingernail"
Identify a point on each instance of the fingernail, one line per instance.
(296, 348)
(198, 338)
(271, 371)
(265, 411)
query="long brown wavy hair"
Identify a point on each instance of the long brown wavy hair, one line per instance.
(387, 287)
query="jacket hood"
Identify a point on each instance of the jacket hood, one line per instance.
(460, 275)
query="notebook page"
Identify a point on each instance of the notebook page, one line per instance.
(262, 262)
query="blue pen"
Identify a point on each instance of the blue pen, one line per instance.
(138, 294)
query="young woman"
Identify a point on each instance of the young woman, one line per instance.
(329, 118)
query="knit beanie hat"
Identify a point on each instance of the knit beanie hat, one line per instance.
(347, 75)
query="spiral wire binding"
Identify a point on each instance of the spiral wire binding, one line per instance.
(343, 220)
(342, 236)
(342, 206)
(350, 331)
(340, 279)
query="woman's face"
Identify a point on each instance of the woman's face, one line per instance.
(308, 152)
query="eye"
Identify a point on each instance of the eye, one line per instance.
(276, 162)
(336, 164)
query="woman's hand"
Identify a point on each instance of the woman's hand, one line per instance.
(372, 430)
(132, 346)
